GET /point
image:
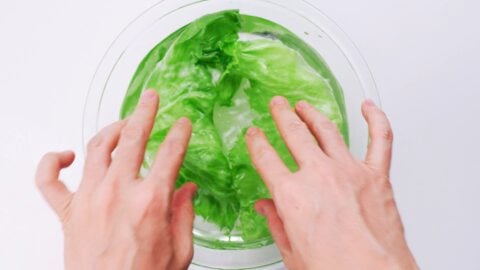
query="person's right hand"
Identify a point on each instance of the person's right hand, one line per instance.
(335, 212)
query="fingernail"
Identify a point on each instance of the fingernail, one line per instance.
(252, 131)
(149, 94)
(260, 210)
(301, 105)
(183, 120)
(195, 192)
(279, 100)
(194, 188)
(67, 152)
(369, 102)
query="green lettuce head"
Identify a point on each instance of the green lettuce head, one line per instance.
(221, 71)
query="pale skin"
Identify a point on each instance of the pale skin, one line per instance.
(335, 212)
(116, 220)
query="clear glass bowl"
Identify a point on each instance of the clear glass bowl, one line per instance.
(118, 65)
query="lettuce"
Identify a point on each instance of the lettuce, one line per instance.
(221, 71)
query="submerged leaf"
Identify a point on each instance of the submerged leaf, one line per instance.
(223, 83)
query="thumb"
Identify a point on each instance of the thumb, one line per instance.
(266, 207)
(379, 154)
(53, 190)
(182, 224)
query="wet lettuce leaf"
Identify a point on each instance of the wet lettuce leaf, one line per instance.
(221, 71)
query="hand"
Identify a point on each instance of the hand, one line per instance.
(117, 220)
(335, 212)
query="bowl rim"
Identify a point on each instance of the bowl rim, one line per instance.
(343, 41)
(303, 8)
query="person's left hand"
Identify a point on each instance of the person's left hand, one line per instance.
(117, 220)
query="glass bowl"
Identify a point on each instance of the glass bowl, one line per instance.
(119, 63)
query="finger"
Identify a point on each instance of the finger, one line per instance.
(264, 158)
(133, 138)
(99, 152)
(267, 208)
(171, 153)
(53, 190)
(299, 140)
(379, 154)
(182, 223)
(324, 130)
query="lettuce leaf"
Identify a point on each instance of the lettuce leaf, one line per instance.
(221, 71)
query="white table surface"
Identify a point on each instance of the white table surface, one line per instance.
(425, 57)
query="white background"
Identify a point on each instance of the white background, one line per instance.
(424, 54)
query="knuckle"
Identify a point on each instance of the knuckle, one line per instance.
(325, 126)
(133, 133)
(380, 114)
(384, 184)
(386, 134)
(95, 143)
(153, 200)
(149, 196)
(390, 204)
(286, 187)
(289, 191)
(106, 198)
(108, 190)
(49, 158)
(263, 154)
(174, 147)
(358, 181)
(295, 126)
(105, 205)
(313, 162)
(153, 194)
